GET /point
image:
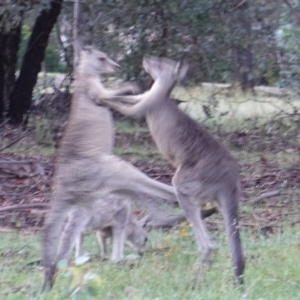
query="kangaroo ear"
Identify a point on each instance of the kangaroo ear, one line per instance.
(151, 65)
(143, 222)
(177, 68)
(83, 45)
(181, 70)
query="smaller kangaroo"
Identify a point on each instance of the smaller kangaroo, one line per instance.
(135, 236)
(109, 217)
(205, 170)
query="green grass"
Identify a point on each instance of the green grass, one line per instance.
(29, 149)
(138, 153)
(167, 271)
(126, 126)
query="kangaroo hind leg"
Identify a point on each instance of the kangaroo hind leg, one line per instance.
(119, 233)
(128, 179)
(51, 237)
(77, 221)
(192, 212)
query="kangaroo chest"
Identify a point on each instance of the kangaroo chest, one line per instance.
(89, 131)
(163, 129)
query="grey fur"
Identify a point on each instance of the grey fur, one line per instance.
(85, 169)
(205, 170)
(111, 218)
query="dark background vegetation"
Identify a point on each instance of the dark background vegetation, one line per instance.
(239, 41)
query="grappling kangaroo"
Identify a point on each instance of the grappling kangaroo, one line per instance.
(111, 218)
(205, 170)
(85, 169)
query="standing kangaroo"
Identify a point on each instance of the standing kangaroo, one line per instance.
(85, 169)
(205, 170)
(111, 217)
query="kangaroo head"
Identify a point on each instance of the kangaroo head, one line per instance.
(97, 62)
(161, 67)
(137, 233)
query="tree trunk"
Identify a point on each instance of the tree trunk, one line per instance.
(2, 72)
(9, 46)
(76, 10)
(242, 49)
(20, 100)
(244, 62)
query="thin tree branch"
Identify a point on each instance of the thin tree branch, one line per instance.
(14, 141)
(237, 6)
(75, 33)
(65, 50)
(294, 11)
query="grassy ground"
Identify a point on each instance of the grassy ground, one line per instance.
(270, 228)
(167, 271)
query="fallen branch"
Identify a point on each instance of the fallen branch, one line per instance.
(23, 161)
(24, 206)
(242, 223)
(237, 6)
(14, 141)
(267, 195)
(274, 91)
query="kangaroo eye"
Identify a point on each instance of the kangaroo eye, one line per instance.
(102, 59)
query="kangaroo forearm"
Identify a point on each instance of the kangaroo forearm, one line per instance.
(125, 88)
(128, 99)
(117, 92)
(126, 110)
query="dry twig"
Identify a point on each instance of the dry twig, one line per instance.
(267, 195)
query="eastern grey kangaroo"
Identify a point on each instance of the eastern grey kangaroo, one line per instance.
(85, 169)
(111, 218)
(205, 170)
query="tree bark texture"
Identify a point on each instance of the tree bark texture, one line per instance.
(20, 100)
(9, 46)
(2, 72)
(242, 50)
